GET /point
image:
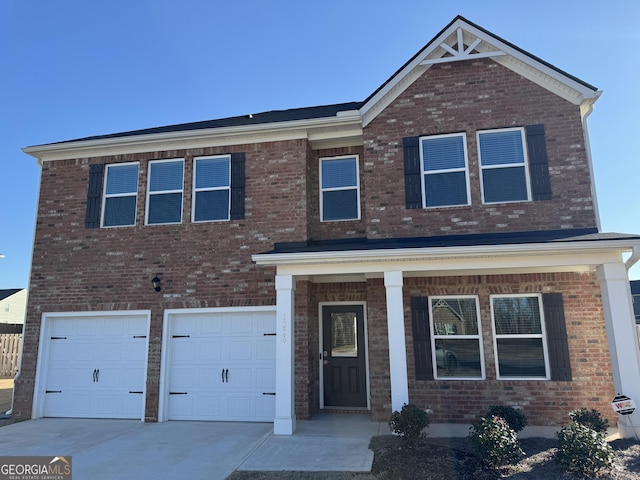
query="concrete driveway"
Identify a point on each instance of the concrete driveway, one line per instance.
(127, 449)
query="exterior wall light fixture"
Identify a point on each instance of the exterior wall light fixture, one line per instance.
(155, 281)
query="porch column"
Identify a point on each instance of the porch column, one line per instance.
(285, 421)
(397, 347)
(623, 340)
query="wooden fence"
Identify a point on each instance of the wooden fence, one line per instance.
(10, 346)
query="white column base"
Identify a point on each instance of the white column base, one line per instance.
(284, 425)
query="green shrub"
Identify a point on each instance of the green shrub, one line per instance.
(409, 422)
(495, 442)
(590, 418)
(582, 450)
(514, 418)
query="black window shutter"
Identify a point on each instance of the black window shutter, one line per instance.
(412, 184)
(237, 186)
(94, 196)
(421, 338)
(557, 337)
(538, 162)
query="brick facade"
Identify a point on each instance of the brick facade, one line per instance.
(203, 265)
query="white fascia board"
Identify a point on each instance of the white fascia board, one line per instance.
(561, 256)
(343, 125)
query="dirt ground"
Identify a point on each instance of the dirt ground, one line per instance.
(453, 459)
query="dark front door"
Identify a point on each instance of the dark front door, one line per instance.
(344, 372)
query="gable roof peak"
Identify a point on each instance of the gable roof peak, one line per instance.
(463, 40)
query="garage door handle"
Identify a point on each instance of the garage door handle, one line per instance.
(177, 393)
(53, 391)
(138, 393)
(95, 375)
(226, 375)
(268, 393)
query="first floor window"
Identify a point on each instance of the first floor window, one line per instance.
(519, 337)
(164, 197)
(212, 188)
(444, 170)
(456, 346)
(339, 189)
(120, 195)
(503, 162)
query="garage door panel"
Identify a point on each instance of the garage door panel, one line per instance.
(240, 350)
(209, 350)
(92, 364)
(266, 349)
(265, 378)
(228, 365)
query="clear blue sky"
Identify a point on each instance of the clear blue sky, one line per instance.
(71, 69)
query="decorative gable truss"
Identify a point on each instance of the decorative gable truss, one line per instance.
(461, 45)
(463, 40)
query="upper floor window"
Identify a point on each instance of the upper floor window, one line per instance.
(636, 308)
(519, 337)
(120, 195)
(456, 340)
(211, 188)
(164, 193)
(503, 161)
(445, 179)
(339, 189)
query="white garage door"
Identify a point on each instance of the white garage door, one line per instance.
(95, 367)
(221, 366)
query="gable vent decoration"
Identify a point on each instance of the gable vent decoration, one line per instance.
(464, 46)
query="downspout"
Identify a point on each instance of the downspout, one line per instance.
(633, 259)
(585, 110)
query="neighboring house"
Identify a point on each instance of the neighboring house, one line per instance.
(13, 306)
(437, 243)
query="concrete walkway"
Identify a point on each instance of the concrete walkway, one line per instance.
(125, 449)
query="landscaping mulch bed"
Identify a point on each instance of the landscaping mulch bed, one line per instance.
(454, 459)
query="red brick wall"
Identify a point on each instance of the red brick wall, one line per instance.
(465, 97)
(200, 265)
(543, 402)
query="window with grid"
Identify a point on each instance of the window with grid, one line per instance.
(120, 195)
(444, 165)
(339, 189)
(519, 337)
(456, 345)
(503, 161)
(164, 194)
(211, 188)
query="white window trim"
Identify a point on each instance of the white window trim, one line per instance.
(446, 170)
(527, 179)
(159, 192)
(356, 187)
(542, 335)
(105, 196)
(435, 337)
(209, 189)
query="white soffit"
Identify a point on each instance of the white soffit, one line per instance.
(463, 41)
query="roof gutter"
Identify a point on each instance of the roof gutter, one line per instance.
(357, 256)
(633, 259)
(187, 138)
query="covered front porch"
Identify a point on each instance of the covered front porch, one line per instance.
(391, 264)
